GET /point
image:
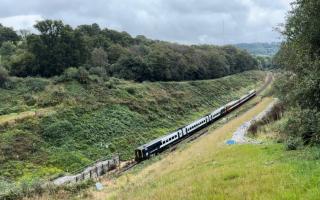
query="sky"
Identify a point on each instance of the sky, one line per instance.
(182, 21)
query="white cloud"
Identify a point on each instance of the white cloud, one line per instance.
(21, 21)
(187, 21)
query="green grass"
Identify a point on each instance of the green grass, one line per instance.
(209, 169)
(100, 119)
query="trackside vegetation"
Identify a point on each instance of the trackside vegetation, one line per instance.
(299, 85)
(105, 116)
(210, 169)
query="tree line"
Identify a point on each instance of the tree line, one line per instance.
(299, 58)
(57, 47)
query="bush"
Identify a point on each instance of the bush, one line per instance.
(292, 144)
(29, 99)
(55, 97)
(70, 161)
(83, 76)
(131, 90)
(304, 124)
(36, 84)
(70, 73)
(99, 71)
(4, 76)
(57, 131)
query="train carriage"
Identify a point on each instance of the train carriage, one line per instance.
(145, 151)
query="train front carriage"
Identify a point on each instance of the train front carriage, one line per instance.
(139, 154)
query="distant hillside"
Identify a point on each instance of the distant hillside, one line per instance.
(260, 49)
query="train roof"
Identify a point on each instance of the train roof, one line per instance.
(154, 141)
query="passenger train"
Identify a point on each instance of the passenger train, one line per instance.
(145, 151)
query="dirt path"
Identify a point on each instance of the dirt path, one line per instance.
(16, 117)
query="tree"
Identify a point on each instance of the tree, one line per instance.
(23, 64)
(7, 34)
(4, 77)
(114, 53)
(56, 48)
(7, 49)
(299, 56)
(99, 58)
(131, 67)
(302, 26)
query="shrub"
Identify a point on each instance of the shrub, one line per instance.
(99, 71)
(304, 124)
(292, 144)
(83, 76)
(57, 131)
(4, 76)
(29, 99)
(55, 97)
(36, 84)
(68, 160)
(131, 90)
(70, 73)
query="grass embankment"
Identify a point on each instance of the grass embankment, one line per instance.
(99, 119)
(209, 169)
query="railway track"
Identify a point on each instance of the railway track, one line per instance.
(268, 81)
(130, 164)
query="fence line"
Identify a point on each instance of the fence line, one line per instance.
(94, 171)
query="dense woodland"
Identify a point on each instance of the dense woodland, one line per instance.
(90, 49)
(299, 86)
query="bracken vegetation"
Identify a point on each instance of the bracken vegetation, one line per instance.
(95, 120)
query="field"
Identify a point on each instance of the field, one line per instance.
(49, 127)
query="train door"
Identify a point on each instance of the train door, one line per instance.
(184, 131)
(180, 133)
(222, 111)
(139, 154)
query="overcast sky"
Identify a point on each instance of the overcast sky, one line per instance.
(183, 21)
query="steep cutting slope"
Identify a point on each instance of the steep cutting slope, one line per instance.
(99, 119)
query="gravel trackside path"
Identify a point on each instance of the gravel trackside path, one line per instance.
(239, 136)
